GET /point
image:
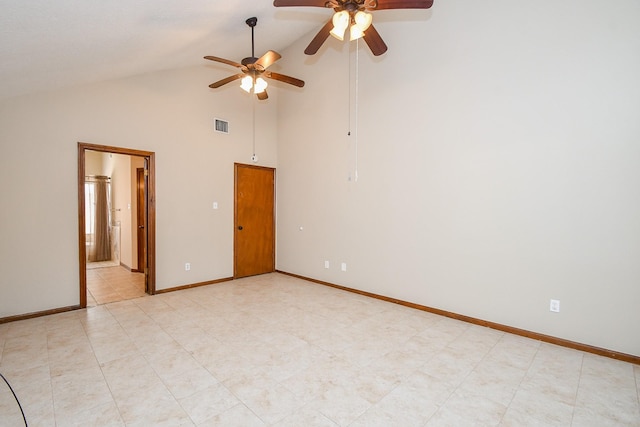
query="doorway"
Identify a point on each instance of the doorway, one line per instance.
(254, 220)
(138, 191)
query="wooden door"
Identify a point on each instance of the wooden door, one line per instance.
(254, 220)
(141, 216)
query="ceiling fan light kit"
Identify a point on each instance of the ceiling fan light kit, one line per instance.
(340, 23)
(362, 22)
(260, 85)
(353, 14)
(357, 23)
(256, 84)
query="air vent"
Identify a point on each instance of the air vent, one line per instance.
(221, 126)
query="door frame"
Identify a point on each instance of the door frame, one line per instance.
(150, 270)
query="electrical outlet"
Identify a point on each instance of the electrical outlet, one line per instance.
(343, 266)
(326, 264)
(554, 305)
(187, 266)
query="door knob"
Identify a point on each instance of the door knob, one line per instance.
(240, 227)
(141, 226)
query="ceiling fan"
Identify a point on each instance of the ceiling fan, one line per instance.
(353, 14)
(254, 69)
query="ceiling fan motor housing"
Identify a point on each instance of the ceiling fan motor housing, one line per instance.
(249, 60)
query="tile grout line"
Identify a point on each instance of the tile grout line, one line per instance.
(475, 367)
(533, 358)
(636, 373)
(100, 366)
(575, 399)
(53, 398)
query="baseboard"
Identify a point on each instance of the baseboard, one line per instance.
(193, 285)
(497, 326)
(38, 314)
(77, 307)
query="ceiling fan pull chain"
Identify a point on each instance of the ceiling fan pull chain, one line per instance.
(349, 94)
(356, 112)
(253, 125)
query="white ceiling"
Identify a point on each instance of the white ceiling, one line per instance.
(47, 44)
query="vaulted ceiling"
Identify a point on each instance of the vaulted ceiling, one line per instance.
(47, 45)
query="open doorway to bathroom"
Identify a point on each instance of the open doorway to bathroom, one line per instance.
(116, 213)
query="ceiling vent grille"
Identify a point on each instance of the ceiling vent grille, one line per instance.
(221, 125)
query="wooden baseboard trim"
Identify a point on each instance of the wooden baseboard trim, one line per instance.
(193, 285)
(497, 326)
(123, 265)
(38, 314)
(77, 307)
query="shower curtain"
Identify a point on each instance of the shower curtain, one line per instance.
(98, 208)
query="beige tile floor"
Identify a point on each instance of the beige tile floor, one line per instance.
(276, 350)
(112, 284)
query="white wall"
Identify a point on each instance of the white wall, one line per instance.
(121, 199)
(498, 163)
(169, 113)
(93, 163)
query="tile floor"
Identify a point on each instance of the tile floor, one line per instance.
(100, 264)
(112, 284)
(276, 350)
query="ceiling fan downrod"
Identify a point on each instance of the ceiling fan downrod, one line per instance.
(251, 22)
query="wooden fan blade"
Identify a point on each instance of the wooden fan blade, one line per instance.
(374, 41)
(225, 81)
(284, 78)
(286, 3)
(262, 95)
(403, 4)
(319, 39)
(267, 59)
(224, 61)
